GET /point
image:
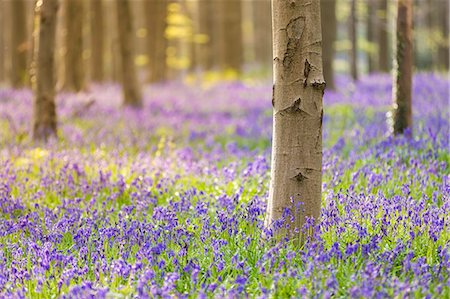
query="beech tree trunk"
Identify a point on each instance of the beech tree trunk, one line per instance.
(371, 10)
(74, 70)
(354, 41)
(444, 51)
(262, 24)
(233, 52)
(43, 79)
(296, 176)
(205, 56)
(19, 44)
(329, 24)
(2, 42)
(156, 12)
(130, 86)
(97, 41)
(403, 68)
(383, 40)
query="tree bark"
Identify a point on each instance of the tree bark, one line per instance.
(296, 176)
(205, 55)
(74, 70)
(131, 89)
(443, 51)
(233, 52)
(262, 24)
(97, 41)
(371, 66)
(329, 24)
(403, 68)
(19, 44)
(2, 42)
(156, 12)
(354, 41)
(383, 40)
(43, 80)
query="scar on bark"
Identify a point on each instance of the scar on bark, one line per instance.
(273, 95)
(294, 31)
(294, 108)
(302, 174)
(306, 71)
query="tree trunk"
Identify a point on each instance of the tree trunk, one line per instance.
(443, 51)
(44, 112)
(19, 44)
(97, 41)
(329, 24)
(403, 68)
(370, 36)
(354, 41)
(383, 41)
(261, 25)
(156, 12)
(205, 56)
(296, 177)
(74, 70)
(131, 89)
(233, 51)
(2, 42)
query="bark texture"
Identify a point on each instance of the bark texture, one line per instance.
(73, 62)
(43, 80)
(97, 41)
(156, 12)
(403, 68)
(19, 44)
(383, 40)
(296, 175)
(353, 40)
(231, 19)
(262, 24)
(131, 89)
(329, 24)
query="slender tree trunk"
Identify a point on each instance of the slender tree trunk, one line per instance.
(19, 44)
(383, 40)
(157, 40)
(205, 56)
(443, 51)
(44, 112)
(329, 25)
(97, 41)
(403, 68)
(131, 90)
(354, 41)
(262, 24)
(74, 70)
(296, 177)
(233, 54)
(151, 23)
(2, 42)
(371, 9)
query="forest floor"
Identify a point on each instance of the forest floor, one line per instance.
(169, 201)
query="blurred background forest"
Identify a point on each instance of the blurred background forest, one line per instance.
(211, 40)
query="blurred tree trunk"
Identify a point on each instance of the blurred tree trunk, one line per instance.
(44, 112)
(206, 27)
(2, 41)
(296, 177)
(156, 12)
(261, 25)
(403, 68)
(443, 51)
(19, 44)
(97, 41)
(353, 40)
(329, 24)
(231, 17)
(383, 41)
(131, 90)
(371, 9)
(73, 62)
